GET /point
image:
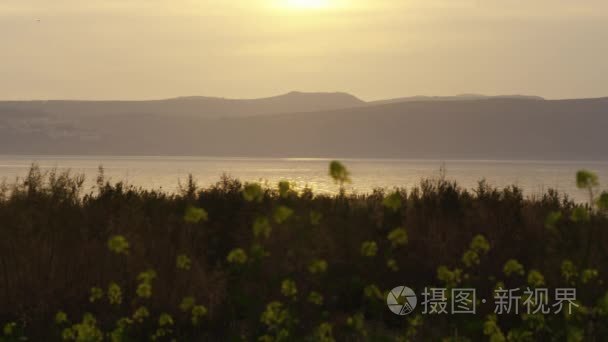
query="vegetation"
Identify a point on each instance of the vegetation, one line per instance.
(244, 262)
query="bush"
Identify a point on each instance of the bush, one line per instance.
(232, 261)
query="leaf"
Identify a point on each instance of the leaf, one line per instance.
(198, 311)
(289, 288)
(369, 248)
(602, 201)
(315, 218)
(261, 227)
(392, 265)
(398, 237)
(552, 219)
(513, 266)
(61, 317)
(282, 213)
(315, 298)
(470, 258)
(141, 314)
(317, 266)
(253, 192)
(237, 256)
(183, 262)
(479, 244)
(187, 304)
(165, 319)
(114, 294)
(580, 214)
(96, 294)
(392, 201)
(586, 179)
(144, 290)
(147, 276)
(284, 188)
(118, 244)
(338, 172)
(535, 278)
(195, 215)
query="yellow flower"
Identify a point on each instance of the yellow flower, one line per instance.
(369, 248)
(317, 266)
(183, 262)
(261, 227)
(392, 201)
(253, 192)
(237, 256)
(288, 288)
(398, 237)
(195, 215)
(9, 328)
(118, 244)
(96, 294)
(144, 290)
(392, 265)
(513, 266)
(141, 314)
(315, 298)
(114, 294)
(61, 317)
(282, 213)
(198, 312)
(187, 304)
(165, 319)
(147, 276)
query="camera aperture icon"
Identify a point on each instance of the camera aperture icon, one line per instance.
(401, 300)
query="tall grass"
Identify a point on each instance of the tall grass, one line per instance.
(239, 261)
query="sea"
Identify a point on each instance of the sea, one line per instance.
(535, 177)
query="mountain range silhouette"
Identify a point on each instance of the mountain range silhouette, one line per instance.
(299, 124)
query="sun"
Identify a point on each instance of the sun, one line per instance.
(307, 4)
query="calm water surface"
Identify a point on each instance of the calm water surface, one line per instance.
(165, 172)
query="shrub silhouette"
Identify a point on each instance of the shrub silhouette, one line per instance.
(236, 261)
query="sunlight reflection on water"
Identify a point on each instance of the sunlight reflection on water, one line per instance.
(165, 172)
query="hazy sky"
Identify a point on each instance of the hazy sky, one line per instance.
(141, 49)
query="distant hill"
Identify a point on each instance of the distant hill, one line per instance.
(195, 106)
(462, 97)
(488, 128)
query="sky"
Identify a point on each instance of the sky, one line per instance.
(374, 49)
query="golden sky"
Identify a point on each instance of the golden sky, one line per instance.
(142, 49)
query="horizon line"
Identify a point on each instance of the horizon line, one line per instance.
(413, 97)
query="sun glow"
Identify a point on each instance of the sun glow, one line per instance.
(307, 4)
